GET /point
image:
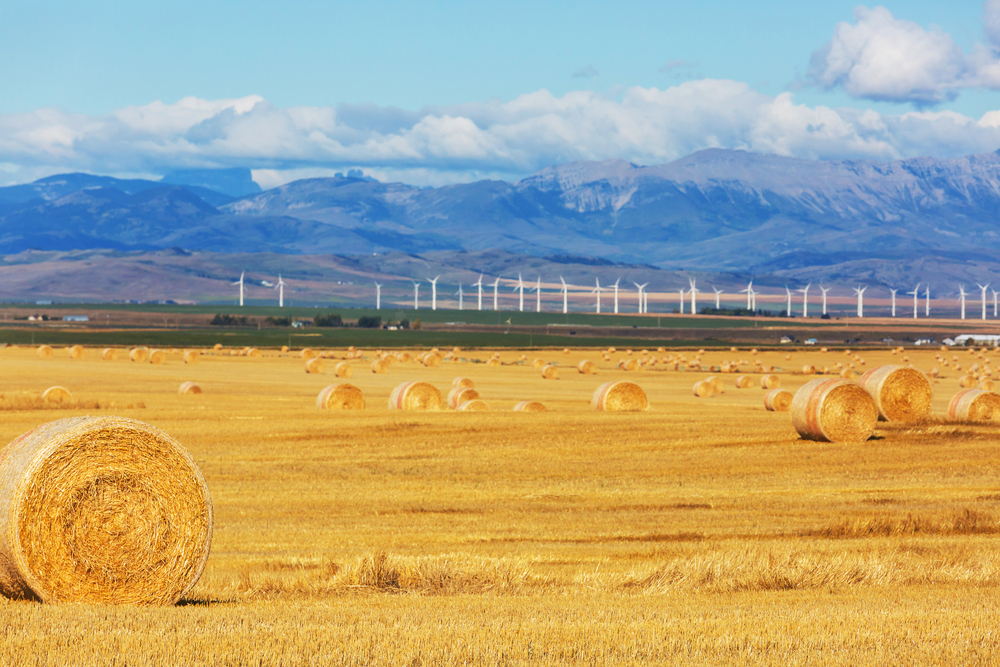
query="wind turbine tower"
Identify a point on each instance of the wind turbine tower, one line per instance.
(434, 292)
(616, 295)
(378, 297)
(240, 283)
(681, 292)
(824, 290)
(519, 287)
(694, 295)
(460, 297)
(860, 291)
(641, 302)
(994, 302)
(565, 295)
(538, 295)
(495, 284)
(916, 299)
(894, 301)
(717, 293)
(479, 284)
(805, 300)
(983, 288)
(788, 308)
(927, 301)
(749, 291)
(597, 290)
(281, 292)
(416, 295)
(961, 298)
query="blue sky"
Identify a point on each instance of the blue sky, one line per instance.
(442, 92)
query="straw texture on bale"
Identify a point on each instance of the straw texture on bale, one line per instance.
(833, 410)
(101, 510)
(770, 381)
(459, 395)
(56, 395)
(109, 354)
(157, 357)
(619, 396)
(340, 396)
(188, 388)
(901, 393)
(462, 382)
(75, 352)
(778, 400)
(550, 372)
(744, 382)
(314, 366)
(307, 353)
(586, 367)
(44, 352)
(976, 405)
(703, 389)
(192, 357)
(475, 405)
(529, 406)
(380, 367)
(415, 396)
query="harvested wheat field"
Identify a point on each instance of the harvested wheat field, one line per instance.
(695, 532)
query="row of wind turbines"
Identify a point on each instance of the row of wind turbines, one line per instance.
(643, 296)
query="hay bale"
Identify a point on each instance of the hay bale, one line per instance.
(550, 372)
(967, 382)
(778, 400)
(987, 384)
(44, 352)
(834, 410)
(343, 370)
(975, 405)
(459, 395)
(770, 381)
(537, 363)
(101, 510)
(340, 396)
(192, 357)
(404, 356)
(475, 405)
(565, 350)
(620, 396)
(716, 383)
(493, 362)
(253, 352)
(529, 406)
(847, 374)
(431, 360)
(703, 389)
(217, 347)
(188, 388)
(628, 365)
(109, 354)
(138, 354)
(415, 396)
(586, 367)
(75, 352)
(380, 367)
(314, 366)
(744, 382)
(307, 353)
(901, 393)
(57, 394)
(157, 357)
(284, 349)
(462, 382)
(809, 369)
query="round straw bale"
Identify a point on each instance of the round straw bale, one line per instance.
(192, 357)
(967, 382)
(975, 404)
(109, 354)
(75, 352)
(404, 356)
(188, 388)
(847, 374)
(778, 400)
(340, 396)
(537, 363)
(834, 410)
(217, 347)
(493, 362)
(462, 382)
(415, 396)
(529, 406)
(901, 393)
(565, 350)
(307, 353)
(586, 367)
(432, 360)
(101, 510)
(253, 352)
(44, 352)
(138, 354)
(475, 405)
(343, 370)
(716, 383)
(628, 365)
(987, 384)
(157, 357)
(459, 395)
(550, 372)
(628, 352)
(612, 350)
(809, 369)
(57, 395)
(754, 351)
(380, 367)
(620, 396)
(314, 366)
(770, 381)
(284, 348)
(703, 389)
(744, 382)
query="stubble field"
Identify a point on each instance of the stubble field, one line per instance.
(700, 531)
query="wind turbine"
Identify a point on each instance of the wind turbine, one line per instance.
(749, 291)
(994, 302)
(824, 290)
(378, 297)
(598, 290)
(434, 292)
(640, 288)
(565, 294)
(805, 300)
(916, 299)
(479, 284)
(645, 299)
(240, 283)
(281, 292)
(983, 287)
(461, 295)
(520, 287)
(961, 297)
(717, 293)
(788, 308)
(681, 292)
(860, 291)
(927, 301)
(694, 296)
(894, 301)
(538, 295)
(495, 284)
(616, 295)
(416, 294)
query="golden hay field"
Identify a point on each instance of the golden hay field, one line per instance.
(703, 531)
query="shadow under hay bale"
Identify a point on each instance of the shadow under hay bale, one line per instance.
(529, 406)
(619, 396)
(340, 396)
(187, 388)
(415, 396)
(834, 410)
(101, 510)
(900, 393)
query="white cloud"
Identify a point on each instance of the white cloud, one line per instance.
(459, 143)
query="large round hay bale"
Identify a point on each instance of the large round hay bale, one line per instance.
(493, 362)
(56, 394)
(138, 354)
(901, 393)
(550, 372)
(101, 510)
(475, 405)
(343, 370)
(744, 382)
(619, 396)
(314, 366)
(44, 352)
(157, 357)
(704, 389)
(529, 406)
(415, 396)
(109, 354)
(770, 381)
(380, 367)
(75, 351)
(834, 410)
(778, 400)
(192, 357)
(307, 353)
(459, 395)
(586, 367)
(716, 383)
(188, 388)
(462, 382)
(538, 363)
(340, 396)
(976, 405)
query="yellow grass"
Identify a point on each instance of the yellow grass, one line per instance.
(698, 532)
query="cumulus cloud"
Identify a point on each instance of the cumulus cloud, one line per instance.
(588, 72)
(497, 139)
